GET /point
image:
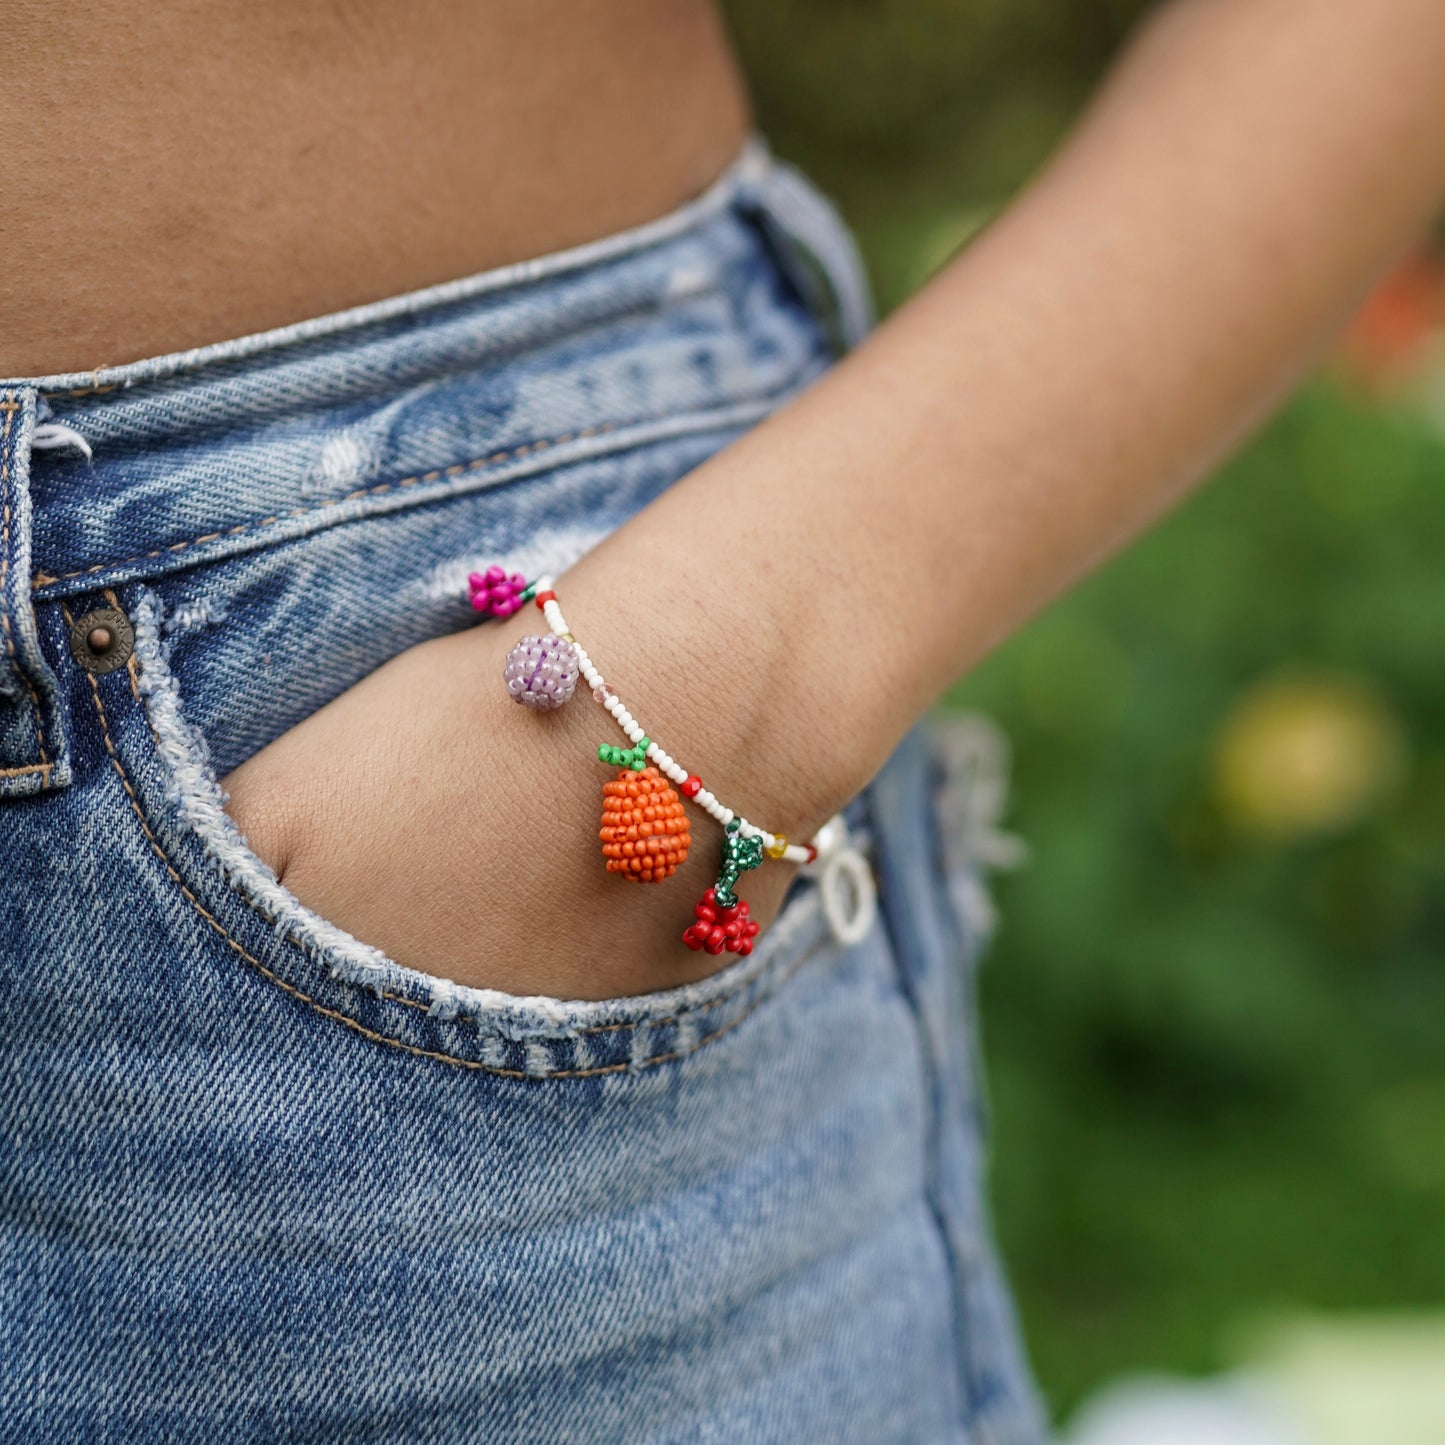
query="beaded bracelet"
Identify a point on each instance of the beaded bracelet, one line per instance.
(645, 833)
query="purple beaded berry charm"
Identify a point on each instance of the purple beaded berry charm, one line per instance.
(541, 672)
(495, 594)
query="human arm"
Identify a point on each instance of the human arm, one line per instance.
(1249, 168)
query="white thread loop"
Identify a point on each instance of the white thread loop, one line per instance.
(50, 436)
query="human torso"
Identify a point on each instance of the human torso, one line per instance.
(185, 173)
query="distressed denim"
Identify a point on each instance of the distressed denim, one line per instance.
(261, 1183)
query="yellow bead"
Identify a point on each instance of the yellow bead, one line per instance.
(778, 846)
(567, 637)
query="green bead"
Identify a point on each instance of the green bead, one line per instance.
(739, 855)
(634, 757)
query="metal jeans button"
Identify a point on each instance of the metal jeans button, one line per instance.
(102, 640)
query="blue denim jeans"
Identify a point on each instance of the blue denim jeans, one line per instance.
(261, 1183)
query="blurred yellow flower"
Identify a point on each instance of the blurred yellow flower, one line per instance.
(1299, 756)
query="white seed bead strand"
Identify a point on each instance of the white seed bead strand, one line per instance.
(664, 761)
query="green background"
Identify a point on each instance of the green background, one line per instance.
(1214, 1009)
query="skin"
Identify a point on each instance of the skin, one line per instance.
(1250, 167)
(188, 171)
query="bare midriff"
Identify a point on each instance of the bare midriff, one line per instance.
(182, 173)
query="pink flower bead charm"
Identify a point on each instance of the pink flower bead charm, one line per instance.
(496, 594)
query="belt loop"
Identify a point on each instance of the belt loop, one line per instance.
(812, 244)
(34, 749)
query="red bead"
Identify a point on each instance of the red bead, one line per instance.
(692, 787)
(812, 853)
(543, 598)
(720, 930)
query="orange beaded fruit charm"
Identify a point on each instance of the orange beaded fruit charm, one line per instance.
(644, 833)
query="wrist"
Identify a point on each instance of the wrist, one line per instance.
(717, 685)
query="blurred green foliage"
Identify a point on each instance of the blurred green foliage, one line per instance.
(1217, 1051)
(921, 115)
(1214, 1011)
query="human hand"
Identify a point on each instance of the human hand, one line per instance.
(431, 818)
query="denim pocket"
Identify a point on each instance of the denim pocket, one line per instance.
(696, 1214)
(195, 672)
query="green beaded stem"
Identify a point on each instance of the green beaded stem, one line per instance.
(529, 593)
(634, 758)
(739, 855)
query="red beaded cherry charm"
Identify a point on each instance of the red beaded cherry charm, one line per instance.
(720, 930)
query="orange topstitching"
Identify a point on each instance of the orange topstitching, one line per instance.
(10, 407)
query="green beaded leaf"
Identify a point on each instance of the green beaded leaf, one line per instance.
(634, 758)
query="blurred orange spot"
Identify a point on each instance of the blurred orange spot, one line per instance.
(1392, 331)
